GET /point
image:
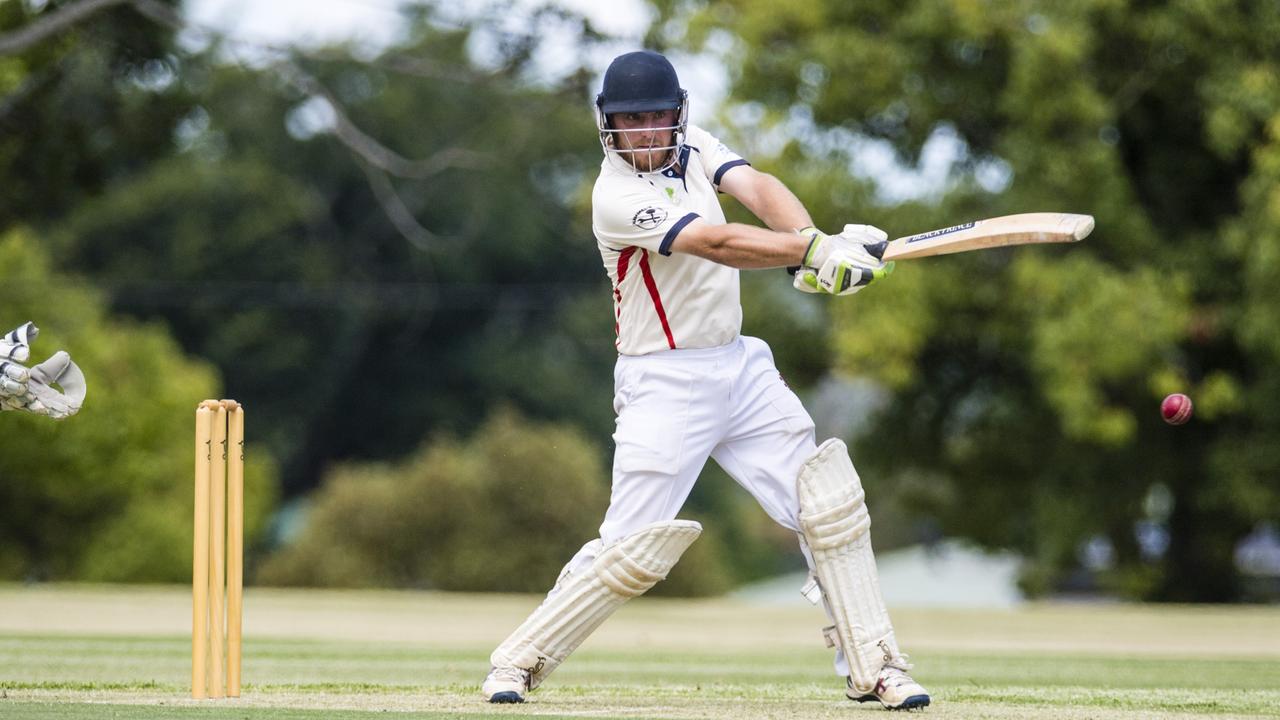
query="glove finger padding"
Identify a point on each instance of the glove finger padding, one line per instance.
(805, 280)
(839, 278)
(16, 344)
(853, 239)
(872, 238)
(9, 387)
(13, 378)
(15, 402)
(864, 234)
(832, 279)
(848, 272)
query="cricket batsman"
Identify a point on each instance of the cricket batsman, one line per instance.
(32, 389)
(688, 386)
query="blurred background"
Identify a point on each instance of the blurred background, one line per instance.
(369, 221)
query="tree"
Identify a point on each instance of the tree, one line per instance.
(83, 105)
(1026, 382)
(104, 495)
(371, 250)
(264, 240)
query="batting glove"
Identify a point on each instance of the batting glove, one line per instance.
(852, 238)
(842, 264)
(844, 273)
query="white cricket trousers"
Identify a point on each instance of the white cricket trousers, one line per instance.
(677, 408)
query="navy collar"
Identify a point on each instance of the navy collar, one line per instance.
(678, 170)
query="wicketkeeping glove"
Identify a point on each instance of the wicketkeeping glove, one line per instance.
(16, 345)
(13, 379)
(15, 348)
(32, 389)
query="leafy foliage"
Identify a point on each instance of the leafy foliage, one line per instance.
(105, 495)
(263, 243)
(212, 203)
(76, 113)
(1026, 382)
(502, 511)
(215, 201)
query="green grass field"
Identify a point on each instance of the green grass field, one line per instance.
(110, 652)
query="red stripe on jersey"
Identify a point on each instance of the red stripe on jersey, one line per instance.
(657, 300)
(624, 259)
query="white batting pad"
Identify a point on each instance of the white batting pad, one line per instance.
(836, 526)
(583, 600)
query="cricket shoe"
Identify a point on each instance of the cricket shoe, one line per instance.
(894, 688)
(506, 684)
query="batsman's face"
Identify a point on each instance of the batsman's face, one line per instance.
(646, 138)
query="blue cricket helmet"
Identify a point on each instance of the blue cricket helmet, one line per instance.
(642, 81)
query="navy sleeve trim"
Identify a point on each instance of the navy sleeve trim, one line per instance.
(726, 168)
(670, 237)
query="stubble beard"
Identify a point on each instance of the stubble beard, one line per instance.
(646, 160)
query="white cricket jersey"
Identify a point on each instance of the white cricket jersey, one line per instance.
(664, 301)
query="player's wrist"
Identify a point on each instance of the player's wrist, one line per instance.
(817, 239)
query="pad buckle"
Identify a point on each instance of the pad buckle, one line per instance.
(811, 590)
(831, 636)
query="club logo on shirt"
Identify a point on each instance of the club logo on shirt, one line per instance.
(649, 218)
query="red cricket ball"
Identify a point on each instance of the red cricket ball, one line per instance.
(1176, 409)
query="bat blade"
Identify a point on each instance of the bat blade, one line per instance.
(1023, 229)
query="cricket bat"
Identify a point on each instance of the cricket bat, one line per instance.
(1023, 229)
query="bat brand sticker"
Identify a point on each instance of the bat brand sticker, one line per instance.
(649, 218)
(935, 233)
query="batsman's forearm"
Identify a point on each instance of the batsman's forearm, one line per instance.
(748, 247)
